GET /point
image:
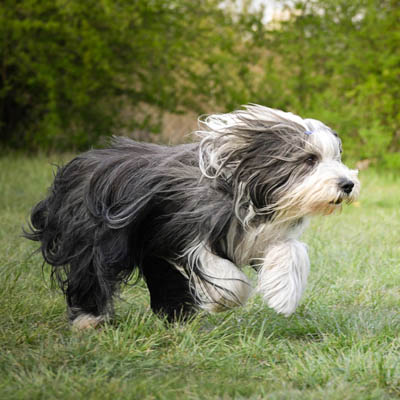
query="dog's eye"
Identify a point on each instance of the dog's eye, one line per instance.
(311, 160)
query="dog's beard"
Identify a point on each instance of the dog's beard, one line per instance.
(319, 192)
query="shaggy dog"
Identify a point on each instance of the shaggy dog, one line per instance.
(188, 217)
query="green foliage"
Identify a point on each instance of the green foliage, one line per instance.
(339, 61)
(72, 71)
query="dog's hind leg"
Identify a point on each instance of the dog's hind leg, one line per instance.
(88, 295)
(86, 302)
(283, 275)
(170, 293)
(95, 274)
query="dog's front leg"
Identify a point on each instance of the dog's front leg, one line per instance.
(220, 284)
(283, 275)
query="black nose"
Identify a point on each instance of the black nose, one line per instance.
(346, 185)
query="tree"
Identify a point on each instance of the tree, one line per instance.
(73, 71)
(339, 61)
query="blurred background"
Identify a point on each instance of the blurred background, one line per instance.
(73, 71)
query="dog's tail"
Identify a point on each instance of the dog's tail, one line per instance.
(38, 222)
(42, 226)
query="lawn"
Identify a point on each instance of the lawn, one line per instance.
(342, 343)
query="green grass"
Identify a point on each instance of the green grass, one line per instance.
(342, 343)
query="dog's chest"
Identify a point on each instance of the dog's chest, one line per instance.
(253, 243)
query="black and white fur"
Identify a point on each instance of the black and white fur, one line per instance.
(189, 217)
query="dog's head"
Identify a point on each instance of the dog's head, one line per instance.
(277, 162)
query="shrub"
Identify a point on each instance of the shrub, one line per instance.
(72, 71)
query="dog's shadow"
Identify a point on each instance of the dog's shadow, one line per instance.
(260, 323)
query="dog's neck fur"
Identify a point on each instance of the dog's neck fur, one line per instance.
(250, 245)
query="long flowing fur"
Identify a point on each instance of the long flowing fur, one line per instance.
(186, 218)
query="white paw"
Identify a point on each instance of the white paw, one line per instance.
(283, 276)
(86, 321)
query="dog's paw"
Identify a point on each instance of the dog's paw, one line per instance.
(86, 321)
(283, 277)
(284, 302)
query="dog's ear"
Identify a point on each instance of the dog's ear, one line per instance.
(226, 137)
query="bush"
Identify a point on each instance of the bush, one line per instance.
(72, 71)
(338, 61)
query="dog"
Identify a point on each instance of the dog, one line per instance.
(187, 218)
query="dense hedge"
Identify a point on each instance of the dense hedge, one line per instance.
(72, 71)
(339, 61)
